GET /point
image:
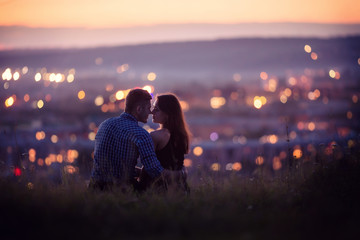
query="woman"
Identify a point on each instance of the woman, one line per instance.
(171, 141)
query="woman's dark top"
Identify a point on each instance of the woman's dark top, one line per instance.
(170, 157)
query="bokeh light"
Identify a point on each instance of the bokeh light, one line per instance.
(272, 85)
(228, 167)
(54, 138)
(314, 56)
(184, 106)
(109, 87)
(25, 70)
(198, 151)
(37, 77)
(40, 104)
(214, 136)
(297, 153)
(7, 75)
(120, 95)
(332, 73)
(187, 162)
(263, 100)
(263, 76)
(283, 99)
(215, 167)
(69, 169)
(26, 97)
(70, 78)
(122, 68)
(32, 155)
(92, 136)
(40, 135)
(236, 166)
(354, 98)
(287, 92)
(151, 76)
(148, 88)
(81, 94)
(72, 154)
(259, 101)
(217, 102)
(40, 162)
(48, 98)
(237, 77)
(10, 101)
(292, 81)
(99, 100)
(277, 163)
(273, 139)
(30, 186)
(259, 160)
(16, 76)
(17, 171)
(311, 126)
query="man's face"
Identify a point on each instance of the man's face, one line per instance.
(144, 112)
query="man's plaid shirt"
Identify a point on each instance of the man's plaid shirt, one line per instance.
(118, 144)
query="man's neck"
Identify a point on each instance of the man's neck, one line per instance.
(131, 114)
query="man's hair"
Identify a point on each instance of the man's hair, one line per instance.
(135, 98)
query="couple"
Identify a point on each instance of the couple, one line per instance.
(120, 141)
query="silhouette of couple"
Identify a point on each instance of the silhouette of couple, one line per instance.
(120, 141)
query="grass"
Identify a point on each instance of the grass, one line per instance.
(322, 204)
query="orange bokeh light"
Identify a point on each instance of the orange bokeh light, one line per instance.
(236, 166)
(187, 162)
(259, 160)
(81, 94)
(297, 153)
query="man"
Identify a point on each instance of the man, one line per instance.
(119, 142)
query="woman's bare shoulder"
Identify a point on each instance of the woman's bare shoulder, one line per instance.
(160, 137)
(160, 133)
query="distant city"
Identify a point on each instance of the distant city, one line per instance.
(21, 37)
(248, 102)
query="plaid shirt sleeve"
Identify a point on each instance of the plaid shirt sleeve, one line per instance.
(118, 144)
(148, 158)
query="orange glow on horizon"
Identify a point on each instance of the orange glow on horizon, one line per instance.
(135, 13)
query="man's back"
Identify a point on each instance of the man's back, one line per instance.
(118, 143)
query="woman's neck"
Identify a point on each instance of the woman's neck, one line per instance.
(163, 126)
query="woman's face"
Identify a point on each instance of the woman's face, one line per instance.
(158, 115)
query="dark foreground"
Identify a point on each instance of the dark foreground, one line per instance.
(321, 205)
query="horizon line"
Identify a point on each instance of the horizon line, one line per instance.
(75, 47)
(175, 24)
(23, 37)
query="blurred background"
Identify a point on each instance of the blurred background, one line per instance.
(260, 82)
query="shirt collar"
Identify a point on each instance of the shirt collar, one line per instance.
(128, 116)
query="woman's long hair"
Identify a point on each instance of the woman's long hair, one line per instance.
(180, 134)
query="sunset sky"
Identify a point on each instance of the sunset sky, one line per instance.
(120, 13)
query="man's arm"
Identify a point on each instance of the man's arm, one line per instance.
(148, 157)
